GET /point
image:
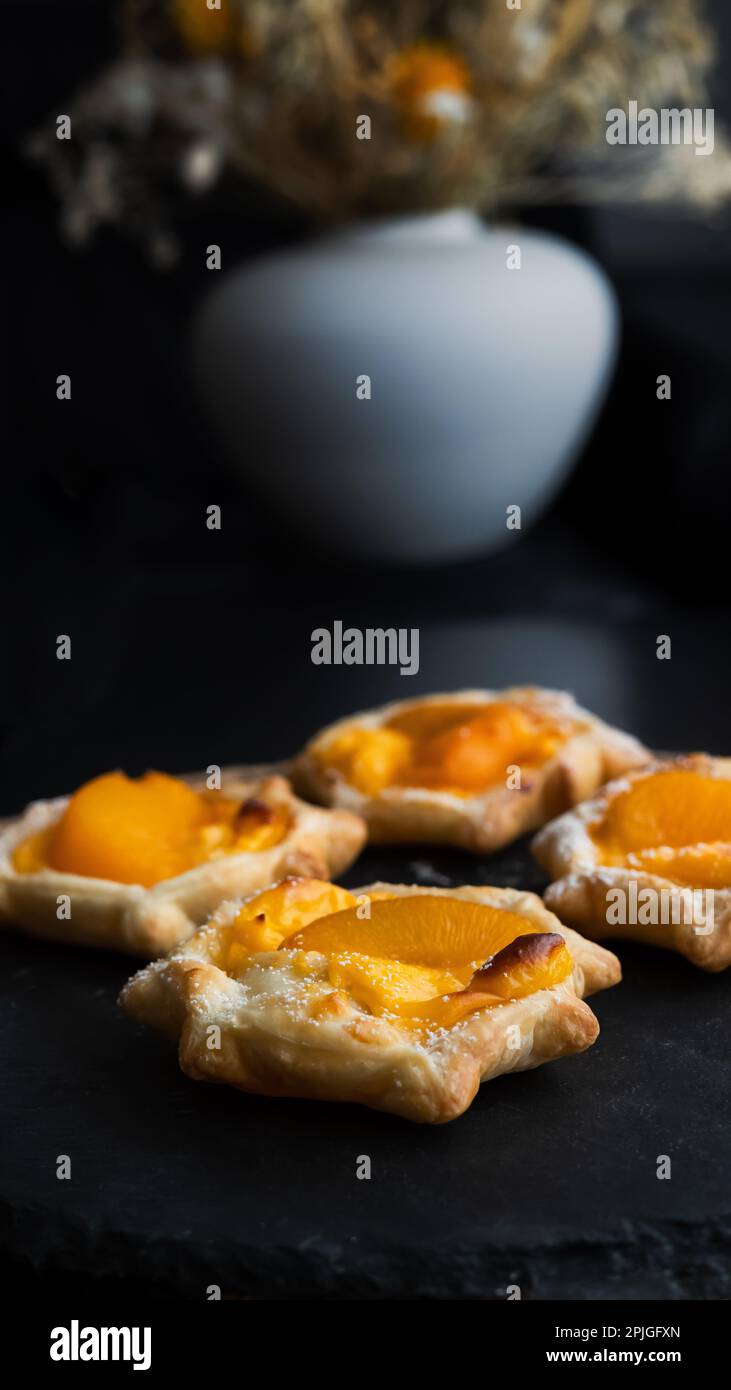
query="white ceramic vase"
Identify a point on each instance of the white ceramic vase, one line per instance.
(483, 381)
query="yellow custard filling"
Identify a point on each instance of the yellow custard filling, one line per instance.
(148, 829)
(462, 749)
(675, 824)
(423, 960)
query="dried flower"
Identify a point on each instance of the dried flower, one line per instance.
(202, 163)
(431, 89)
(203, 30)
(470, 102)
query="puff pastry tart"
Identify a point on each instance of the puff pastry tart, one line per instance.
(650, 859)
(475, 769)
(137, 865)
(403, 999)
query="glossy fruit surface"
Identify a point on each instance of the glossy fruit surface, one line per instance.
(440, 932)
(147, 829)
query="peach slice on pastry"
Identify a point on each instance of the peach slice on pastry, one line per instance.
(475, 769)
(400, 998)
(137, 864)
(649, 859)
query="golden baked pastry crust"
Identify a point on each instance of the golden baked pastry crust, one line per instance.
(490, 819)
(566, 850)
(149, 921)
(282, 1034)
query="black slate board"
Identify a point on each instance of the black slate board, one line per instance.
(549, 1181)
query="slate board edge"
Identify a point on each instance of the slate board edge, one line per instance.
(650, 1260)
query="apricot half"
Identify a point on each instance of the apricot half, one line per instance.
(125, 830)
(370, 759)
(674, 824)
(675, 808)
(388, 985)
(459, 748)
(477, 752)
(265, 920)
(537, 960)
(694, 866)
(148, 829)
(442, 933)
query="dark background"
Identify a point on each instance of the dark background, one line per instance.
(105, 536)
(104, 532)
(191, 647)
